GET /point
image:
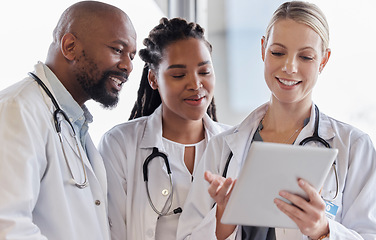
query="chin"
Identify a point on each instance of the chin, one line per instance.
(195, 116)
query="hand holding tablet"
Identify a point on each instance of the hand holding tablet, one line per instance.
(268, 169)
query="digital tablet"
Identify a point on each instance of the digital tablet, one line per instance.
(269, 168)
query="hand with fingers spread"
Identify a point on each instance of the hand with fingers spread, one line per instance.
(309, 214)
(220, 190)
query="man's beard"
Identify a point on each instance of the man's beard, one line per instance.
(88, 73)
(97, 91)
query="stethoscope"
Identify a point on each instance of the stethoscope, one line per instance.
(57, 121)
(314, 138)
(167, 207)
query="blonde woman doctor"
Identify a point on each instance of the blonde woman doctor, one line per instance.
(295, 51)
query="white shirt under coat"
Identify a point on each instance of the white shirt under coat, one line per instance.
(355, 217)
(125, 148)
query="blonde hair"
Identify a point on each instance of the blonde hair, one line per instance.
(305, 13)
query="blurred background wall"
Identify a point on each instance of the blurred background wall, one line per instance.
(345, 89)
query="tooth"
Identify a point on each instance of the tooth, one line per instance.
(117, 81)
(288, 83)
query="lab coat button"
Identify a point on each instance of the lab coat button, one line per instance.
(97, 202)
(150, 233)
(164, 192)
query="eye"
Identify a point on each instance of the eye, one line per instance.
(205, 72)
(306, 58)
(117, 50)
(278, 54)
(178, 76)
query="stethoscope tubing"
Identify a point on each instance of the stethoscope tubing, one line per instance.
(168, 204)
(55, 114)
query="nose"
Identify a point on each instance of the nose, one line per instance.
(290, 66)
(194, 82)
(125, 64)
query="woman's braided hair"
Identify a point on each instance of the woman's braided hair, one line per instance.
(161, 36)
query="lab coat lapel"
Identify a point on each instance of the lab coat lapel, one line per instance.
(211, 128)
(66, 131)
(326, 130)
(240, 140)
(152, 136)
(96, 163)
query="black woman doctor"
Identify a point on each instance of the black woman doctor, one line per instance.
(295, 51)
(150, 159)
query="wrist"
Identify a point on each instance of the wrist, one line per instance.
(323, 234)
(322, 237)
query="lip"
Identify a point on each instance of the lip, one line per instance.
(195, 100)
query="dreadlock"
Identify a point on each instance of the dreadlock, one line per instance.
(161, 36)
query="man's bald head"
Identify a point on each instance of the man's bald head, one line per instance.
(83, 17)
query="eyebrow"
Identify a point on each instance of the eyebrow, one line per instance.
(120, 42)
(185, 66)
(301, 49)
(204, 63)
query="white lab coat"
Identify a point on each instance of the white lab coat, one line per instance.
(37, 199)
(356, 167)
(124, 149)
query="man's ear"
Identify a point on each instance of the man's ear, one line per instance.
(69, 46)
(152, 80)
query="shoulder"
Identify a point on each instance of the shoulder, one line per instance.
(22, 91)
(24, 100)
(223, 126)
(217, 127)
(220, 137)
(345, 130)
(129, 129)
(347, 136)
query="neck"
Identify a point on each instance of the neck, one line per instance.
(63, 73)
(183, 131)
(282, 117)
(282, 123)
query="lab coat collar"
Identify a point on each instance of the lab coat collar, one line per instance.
(211, 128)
(39, 71)
(153, 131)
(326, 130)
(240, 140)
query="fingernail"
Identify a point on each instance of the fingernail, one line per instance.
(301, 182)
